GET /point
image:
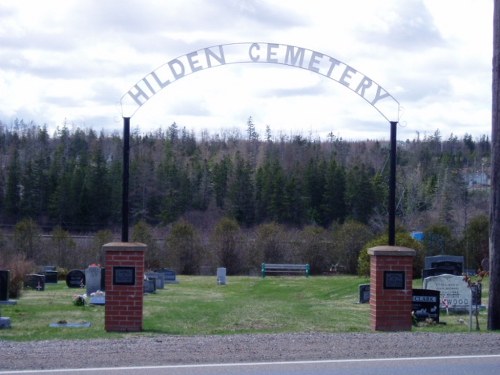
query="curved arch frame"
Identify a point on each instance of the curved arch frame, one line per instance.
(259, 52)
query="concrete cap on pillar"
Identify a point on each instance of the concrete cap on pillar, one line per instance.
(391, 251)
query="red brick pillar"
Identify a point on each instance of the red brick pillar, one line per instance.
(391, 274)
(124, 262)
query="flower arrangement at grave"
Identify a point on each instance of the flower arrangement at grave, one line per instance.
(79, 299)
(98, 293)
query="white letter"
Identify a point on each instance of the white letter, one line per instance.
(138, 95)
(252, 57)
(289, 54)
(221, 59)
(363, 85)
(347, 74)
(193, 62)
(379, 96)
(332, 66)
(314, 61)
(180, 74)
(270, 53)
(160, 83)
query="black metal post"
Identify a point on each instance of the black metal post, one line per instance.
(392, 187)
(126, 158)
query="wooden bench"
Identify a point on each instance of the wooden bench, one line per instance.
(285, 268)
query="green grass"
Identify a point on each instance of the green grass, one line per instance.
(197, 305)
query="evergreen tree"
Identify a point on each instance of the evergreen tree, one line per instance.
(241, 192)
(220, 178)
(13, 190)
(333, 208)
(360, 196)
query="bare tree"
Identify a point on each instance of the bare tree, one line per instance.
(494, 297)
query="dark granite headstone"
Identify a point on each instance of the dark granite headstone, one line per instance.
(443, 264)
(34, 281)
(75, 279)
(364, 293)
(4, 285)
(50, 277)
(425, 304)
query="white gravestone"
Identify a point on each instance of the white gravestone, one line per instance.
(93, 279)
(221, 276)
(455, 293)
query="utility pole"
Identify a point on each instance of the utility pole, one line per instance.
(494, 296)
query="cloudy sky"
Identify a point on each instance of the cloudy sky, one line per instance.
(71, 62)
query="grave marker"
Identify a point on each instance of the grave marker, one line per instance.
(426, 304)
(221, 276)
(4, 285)
(443, 264)
(93, 279)
(455, 292)
(170, 276)
(364, 293)
(150, 285)
(159, 279)
(34, 281)
(50, 277)
(75, 279)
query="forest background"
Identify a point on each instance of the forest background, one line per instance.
(236, 198)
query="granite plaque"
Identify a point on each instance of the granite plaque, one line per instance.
(123, 275)
(394, 279)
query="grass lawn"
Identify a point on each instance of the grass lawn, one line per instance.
(197, 305)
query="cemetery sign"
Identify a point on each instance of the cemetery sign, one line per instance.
(258, 52)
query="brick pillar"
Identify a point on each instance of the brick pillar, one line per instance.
(124, 262)
(391, 274)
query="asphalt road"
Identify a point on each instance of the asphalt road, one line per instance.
(456, 365)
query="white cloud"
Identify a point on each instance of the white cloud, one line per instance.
(71, 60)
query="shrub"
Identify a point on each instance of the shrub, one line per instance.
(184, 248)
(18, 266)
(226, 242)
(402, 239)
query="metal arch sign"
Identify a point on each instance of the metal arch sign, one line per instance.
(259, 52)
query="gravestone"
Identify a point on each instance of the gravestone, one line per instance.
(34, 281)
(49, 268)
(159, 279)
(221, 276)
(4, 322)
(170, 276)
(364, 293)
(425, 304)
(4, 285)
(455, 294)
(149, 286)
(75, 279)
(93, 279)
(50, 277)
(443, 264)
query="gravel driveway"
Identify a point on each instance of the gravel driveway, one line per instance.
(137, 350)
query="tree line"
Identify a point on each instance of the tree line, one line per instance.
(73, 178)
